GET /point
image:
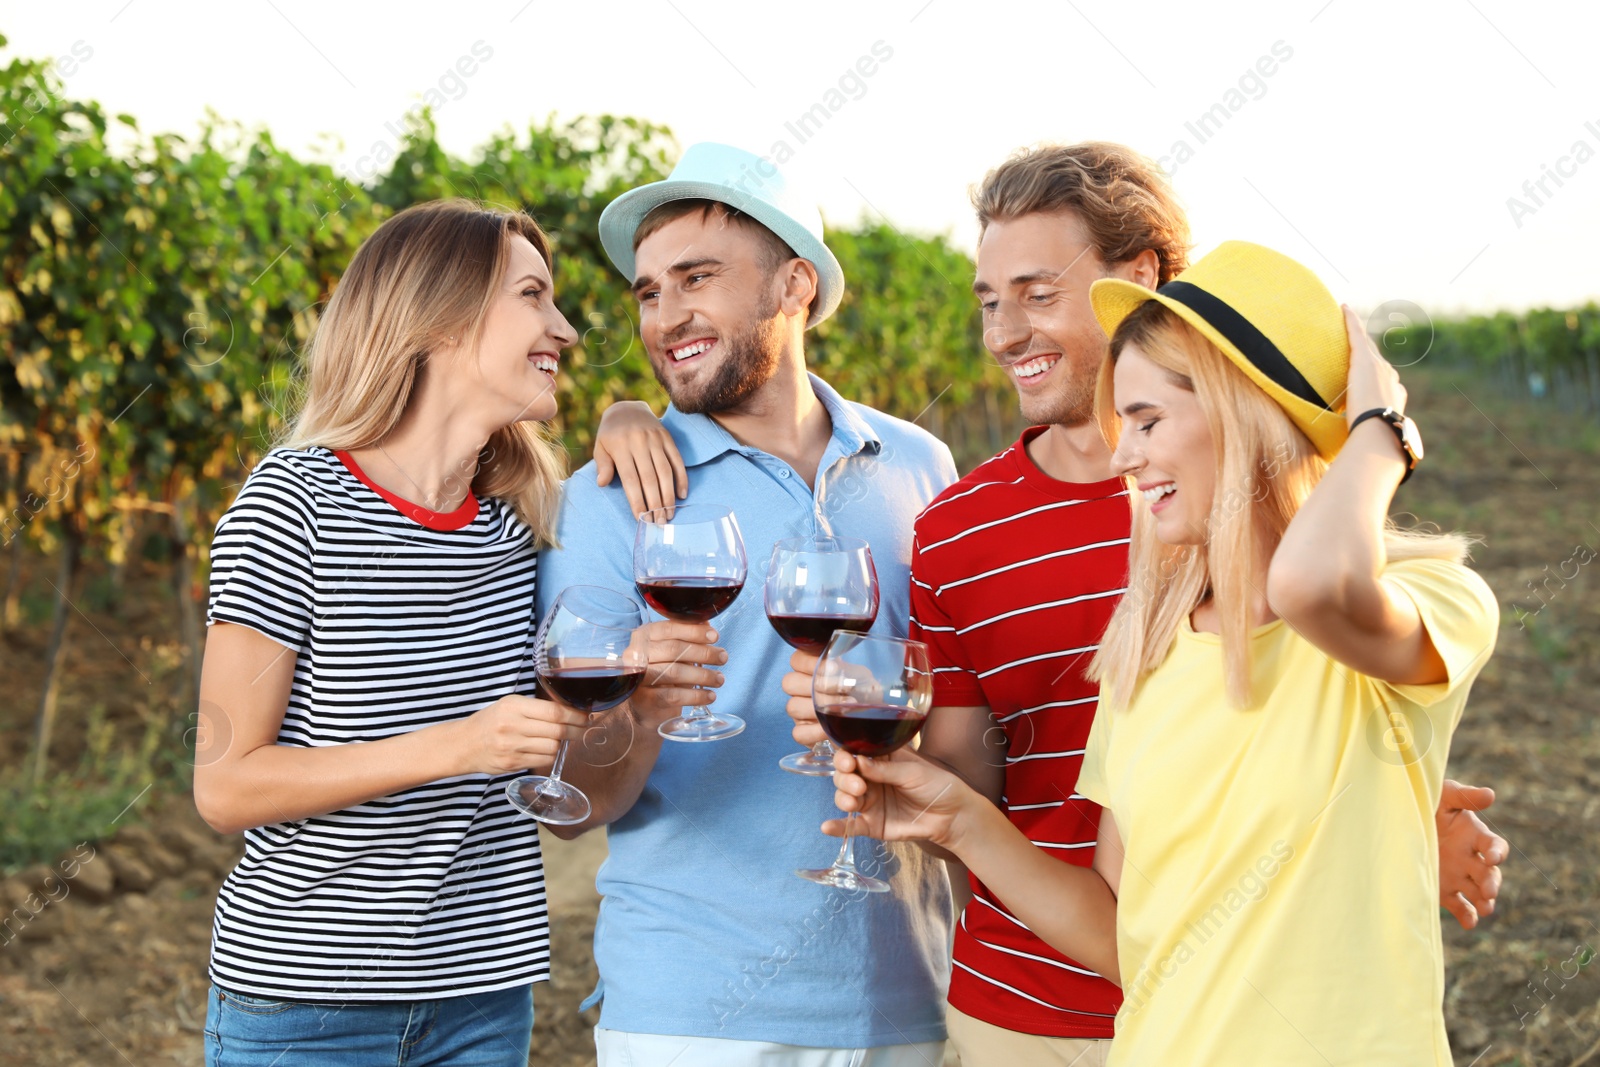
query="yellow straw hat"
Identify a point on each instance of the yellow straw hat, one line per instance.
(1267, 313)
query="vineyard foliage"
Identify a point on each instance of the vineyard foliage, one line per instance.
(1545, 353)
(156, 291)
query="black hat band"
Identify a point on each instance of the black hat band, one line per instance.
(1242, 334)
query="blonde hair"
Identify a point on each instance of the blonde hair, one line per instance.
(426, 274)
(1123, 198)
(1265, 469)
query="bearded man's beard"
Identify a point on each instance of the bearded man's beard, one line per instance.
(751, 359)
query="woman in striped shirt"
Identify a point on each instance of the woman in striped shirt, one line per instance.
(366, 689)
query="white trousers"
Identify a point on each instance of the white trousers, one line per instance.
(618, 1048)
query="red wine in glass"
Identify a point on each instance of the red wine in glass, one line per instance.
(589, 654)
(871, 694)
(689, 565)
(690, 599)
(869, 729)
(591, 689)
(817, 586)
(810, 633)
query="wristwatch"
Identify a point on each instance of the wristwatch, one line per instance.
(1404, 429)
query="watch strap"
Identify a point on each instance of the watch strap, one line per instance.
(1396, 422)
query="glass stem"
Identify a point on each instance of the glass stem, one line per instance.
(553, 779)
(847, 853)
(823, 751)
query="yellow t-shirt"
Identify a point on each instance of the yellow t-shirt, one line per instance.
(1279, 896)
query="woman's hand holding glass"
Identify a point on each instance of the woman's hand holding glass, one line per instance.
(901, 797)
(588, 655)
(517, 733)
(872, 696)
(665, 668)
(881, 801)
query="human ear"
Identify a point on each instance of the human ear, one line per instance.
(799, 287)
(1143, 269)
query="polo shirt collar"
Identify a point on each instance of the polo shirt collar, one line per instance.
(701, 439)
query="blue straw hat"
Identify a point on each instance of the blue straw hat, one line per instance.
(746, 182)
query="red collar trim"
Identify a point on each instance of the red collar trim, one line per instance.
(433, 520)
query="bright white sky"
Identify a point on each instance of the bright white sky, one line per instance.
(1382, 152)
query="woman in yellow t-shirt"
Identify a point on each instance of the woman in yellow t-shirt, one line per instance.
(1278, 690)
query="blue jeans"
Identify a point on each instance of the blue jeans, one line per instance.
(482, 1030)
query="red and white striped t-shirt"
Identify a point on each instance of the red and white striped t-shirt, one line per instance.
(1013, 578)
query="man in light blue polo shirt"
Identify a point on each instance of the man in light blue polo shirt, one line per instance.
(710, 950)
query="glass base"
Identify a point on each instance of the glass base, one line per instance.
(712, 727)
(548, 799)
(842, 877)
(807, 763)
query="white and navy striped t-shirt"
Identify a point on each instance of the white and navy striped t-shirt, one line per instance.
(399, 621)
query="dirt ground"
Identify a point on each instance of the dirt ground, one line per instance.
(115, 972)
(86, 980)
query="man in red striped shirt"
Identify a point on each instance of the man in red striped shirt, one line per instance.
(1015, 572)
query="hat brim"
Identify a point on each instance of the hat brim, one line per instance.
(621, 218)
(1114, 299)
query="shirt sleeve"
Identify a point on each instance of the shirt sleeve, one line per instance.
(596, 535)
(948, 473)
(955, 683)
(1460, 614)
(1092, 771)
(261, 556)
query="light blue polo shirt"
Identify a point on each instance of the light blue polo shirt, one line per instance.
(704, 929)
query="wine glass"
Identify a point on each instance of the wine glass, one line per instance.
(689, 564)
(590, 657)
(872, 695)
(817, 585)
